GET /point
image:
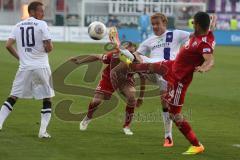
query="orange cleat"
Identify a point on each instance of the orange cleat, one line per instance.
(168, 142)
(113, 36)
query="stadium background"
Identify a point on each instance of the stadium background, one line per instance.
(212, 103)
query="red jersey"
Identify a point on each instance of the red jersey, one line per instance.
(112, 59)
(105, 85)
(190, 55)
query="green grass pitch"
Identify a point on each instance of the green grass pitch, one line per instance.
(212, 105)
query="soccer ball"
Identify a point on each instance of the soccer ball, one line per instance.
(97, 30)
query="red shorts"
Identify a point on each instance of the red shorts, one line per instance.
(176, 90)
(105, 87)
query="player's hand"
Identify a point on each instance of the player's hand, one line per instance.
(139, 102)
(199, 69)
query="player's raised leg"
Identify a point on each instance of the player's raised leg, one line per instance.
(46, 113)
(6, 109)
(96, 101)
(113, 36)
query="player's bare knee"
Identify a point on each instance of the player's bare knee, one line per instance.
(131, 101)
(177, 118)
(96, 101)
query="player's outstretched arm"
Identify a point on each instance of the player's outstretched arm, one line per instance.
(207, 64)
(213, 22)
(11, 49)
(86, 59)
(48, 46)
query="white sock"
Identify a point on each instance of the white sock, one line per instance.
(167, 124)
(45, 119)
(4, 112)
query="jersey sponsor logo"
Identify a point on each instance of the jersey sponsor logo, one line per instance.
(206, 50)
(194, 44)
(160, 45)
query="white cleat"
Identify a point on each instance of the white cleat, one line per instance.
(44, 135)
(84, 123)
(127, 131)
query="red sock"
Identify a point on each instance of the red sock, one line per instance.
(187, 131)
(91, 109)
(129, 116)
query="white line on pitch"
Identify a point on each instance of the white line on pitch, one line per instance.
(236, 145)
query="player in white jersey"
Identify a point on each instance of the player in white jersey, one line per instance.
(33, 76)
(163, 45)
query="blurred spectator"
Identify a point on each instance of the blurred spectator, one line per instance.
(144, 22)
(113, 21)
(233, 23)
(223, 25)
(8, 5)
(239, 25)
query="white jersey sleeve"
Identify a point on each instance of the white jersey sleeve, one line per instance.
(144, 47)
(13, 33)
(45, 31)
(183, 36)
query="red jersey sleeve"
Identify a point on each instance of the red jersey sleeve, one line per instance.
(205, 48)
(106, 58)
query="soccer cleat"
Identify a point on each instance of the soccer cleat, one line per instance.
(168, 142)
(194, 150)
(44, 135)
(113, 36)
(127, 131)
(84, 123)
(125, 59)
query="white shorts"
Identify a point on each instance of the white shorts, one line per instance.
(33, 84)
(155, 78)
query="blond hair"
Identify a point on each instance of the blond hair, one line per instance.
(161, 16)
